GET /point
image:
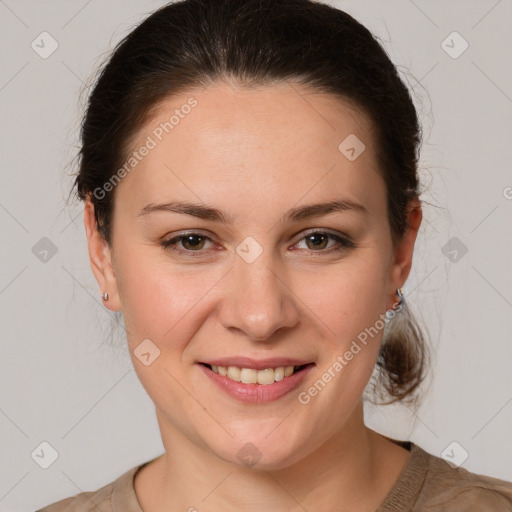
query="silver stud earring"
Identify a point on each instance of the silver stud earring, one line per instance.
(105, 296)
(400, 294)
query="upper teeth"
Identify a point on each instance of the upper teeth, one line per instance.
(251, 376)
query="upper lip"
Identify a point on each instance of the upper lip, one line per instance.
(256, 364)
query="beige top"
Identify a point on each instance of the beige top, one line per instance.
(427, 483)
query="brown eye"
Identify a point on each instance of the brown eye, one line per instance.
(193, 244)
(187, 243)
(318, 240)
(193, 241)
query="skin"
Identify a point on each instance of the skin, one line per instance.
(256, 153)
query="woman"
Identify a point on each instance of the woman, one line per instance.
(249, 173)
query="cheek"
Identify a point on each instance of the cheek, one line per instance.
(164, 301)
(347, 298)
(349, 304)
(161, 301)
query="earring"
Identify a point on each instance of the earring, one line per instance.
(400, 294)
(105, 296)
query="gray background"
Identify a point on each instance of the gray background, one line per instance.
(61, 383)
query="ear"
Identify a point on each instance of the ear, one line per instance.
(100, 258)
(403, 252)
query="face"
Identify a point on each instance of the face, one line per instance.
(254, 276)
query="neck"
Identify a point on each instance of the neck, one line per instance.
(351, 471)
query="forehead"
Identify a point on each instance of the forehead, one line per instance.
(274, 143)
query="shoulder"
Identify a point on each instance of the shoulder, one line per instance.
(118, 495)
(453, 489)
(84, 502)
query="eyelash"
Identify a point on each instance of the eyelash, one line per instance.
(344, 243)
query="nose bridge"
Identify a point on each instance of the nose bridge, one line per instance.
(257, 302)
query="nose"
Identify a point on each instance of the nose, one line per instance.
(258, 301)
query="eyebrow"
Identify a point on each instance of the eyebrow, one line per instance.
(294, 214)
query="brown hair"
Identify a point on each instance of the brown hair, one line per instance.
(192, 43)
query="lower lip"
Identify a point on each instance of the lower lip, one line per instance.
(257, 393)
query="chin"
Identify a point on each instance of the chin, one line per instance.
(259, 452)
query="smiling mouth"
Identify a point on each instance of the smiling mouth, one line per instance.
(251, 376)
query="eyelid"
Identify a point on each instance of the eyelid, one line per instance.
(176, 238)
(324, 231)
(344, 242)
(341, 238)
